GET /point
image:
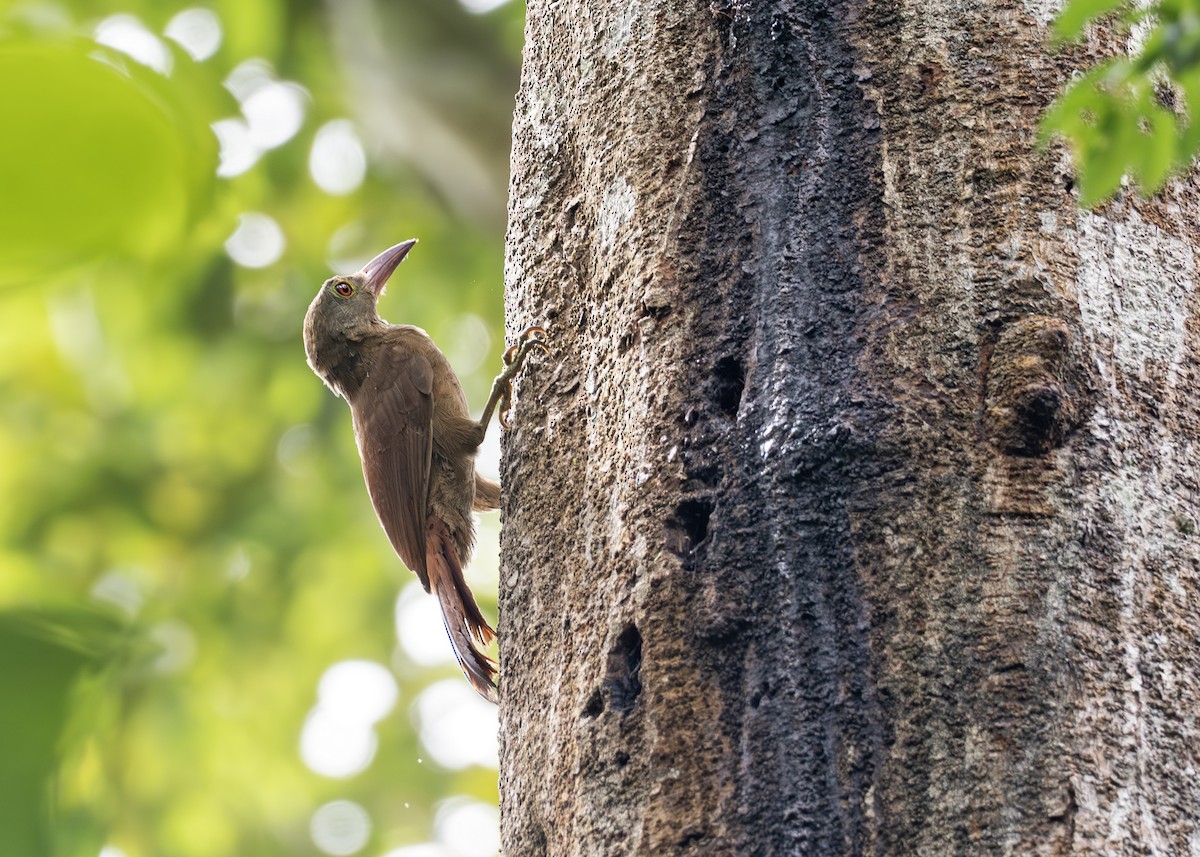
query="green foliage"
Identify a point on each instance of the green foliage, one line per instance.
(42, 654)
(1136, 115)
(186, 545)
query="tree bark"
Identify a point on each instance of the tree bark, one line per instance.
(855, 511)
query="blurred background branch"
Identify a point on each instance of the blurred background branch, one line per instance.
(206, 643)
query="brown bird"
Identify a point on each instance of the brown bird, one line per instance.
(416, 439)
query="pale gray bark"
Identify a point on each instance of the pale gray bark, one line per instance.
(856, 510)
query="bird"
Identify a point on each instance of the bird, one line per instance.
(416, 440)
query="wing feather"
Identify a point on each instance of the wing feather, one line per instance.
(393, 424)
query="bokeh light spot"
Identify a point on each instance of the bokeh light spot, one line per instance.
(340, 828)
(334, 747)
(177, 646)
(257, 242)
(357, 691)
(197, 31)
(468, 340)
(425, 849)
(128, 35)
(345, 251)
(481, 7)
(248, 77)
(238, 152)
(274, 113)
(295, 447)
(238, 565)
(468, 828)
(457, 727)
(419, 627)
(120, 590)
(337, 739)
(337, 162)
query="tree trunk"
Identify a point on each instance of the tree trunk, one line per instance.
(855, 512)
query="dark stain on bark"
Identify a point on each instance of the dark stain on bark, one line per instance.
(780, 190)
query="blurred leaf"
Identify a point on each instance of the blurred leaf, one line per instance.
(1155, 151)
(1074, 113)
(1121, 118)
(1103, 154)
(1189, 140)
(41, 658)
(91, 163)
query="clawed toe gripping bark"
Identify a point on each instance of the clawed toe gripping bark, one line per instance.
(531, 339)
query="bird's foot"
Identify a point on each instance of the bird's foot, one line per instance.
(531, 339)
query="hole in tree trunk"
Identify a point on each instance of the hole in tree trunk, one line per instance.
(729, 380)
(595, 705)
(693, 518)
(622, 680)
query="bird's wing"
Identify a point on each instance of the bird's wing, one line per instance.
(393, 424)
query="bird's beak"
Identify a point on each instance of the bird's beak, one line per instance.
(376, 272)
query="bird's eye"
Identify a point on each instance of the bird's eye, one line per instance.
(344, 289)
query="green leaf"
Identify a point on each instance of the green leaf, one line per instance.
(92, 163)
(41, 657)
(1077, 110)
(1153, 157)
(1189, 137)
(1103, 152)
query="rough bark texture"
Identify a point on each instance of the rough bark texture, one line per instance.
(856, 510)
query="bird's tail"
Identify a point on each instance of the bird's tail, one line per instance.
(469, 632)
(487, 494)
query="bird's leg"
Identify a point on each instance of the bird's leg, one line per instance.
(531, 339)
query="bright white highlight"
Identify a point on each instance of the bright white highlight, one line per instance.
(337, 161)
(336, 748)
(238, 153)
(176, 644)
(128, 35)
(340, 828)
(457, 727)
(338, 739)
(274, 113)
(197, 31)
(119, 590)
(419, 627)
(468, 828)
(257, 242)
(481, 7)
(345, 251)
(468, 339)
(358, 691)
(249, 76)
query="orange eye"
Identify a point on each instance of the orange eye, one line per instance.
(344, 289)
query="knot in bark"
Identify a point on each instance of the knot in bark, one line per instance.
(1034, 387)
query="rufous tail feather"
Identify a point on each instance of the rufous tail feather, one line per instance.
(465, 625)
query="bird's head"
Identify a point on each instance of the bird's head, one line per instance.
(345, 307)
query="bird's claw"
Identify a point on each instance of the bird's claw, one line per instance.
(531, 339)
(505, 401)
